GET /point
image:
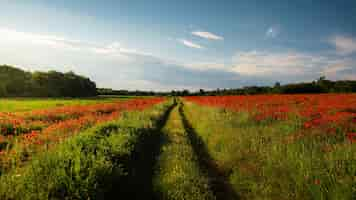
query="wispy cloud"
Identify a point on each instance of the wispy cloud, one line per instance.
(336, 67)
(116, 48)
(207, 35)
(190, 44)
(344, 45)
(265, 63)
(207, 66)
(113, 65)
(53, 41)
(272, 32)
(42, 39)
(288, 64)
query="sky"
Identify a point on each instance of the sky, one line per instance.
(163, 45)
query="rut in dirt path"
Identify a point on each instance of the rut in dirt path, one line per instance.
(178, 175)
(219, 181)
(138, 182)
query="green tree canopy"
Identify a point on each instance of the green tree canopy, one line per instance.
(15, 82)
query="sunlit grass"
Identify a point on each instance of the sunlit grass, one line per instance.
(28, 104)
(264, 162)
(178, 175)
(91, 165)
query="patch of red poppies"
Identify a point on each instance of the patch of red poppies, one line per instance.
(317, 110)
(35, 128)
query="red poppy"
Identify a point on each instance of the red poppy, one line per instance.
(320, 110)
(351, 137)
(64, 121)
(317, 181)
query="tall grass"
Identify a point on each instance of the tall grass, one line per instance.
(178, 175)
(28, 104)
(263, 163)
(90, 165)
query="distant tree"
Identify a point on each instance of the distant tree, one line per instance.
(16, 82)
(185, 93)
(321, 85)
(277, 88)
(13, 81)
(321, 79)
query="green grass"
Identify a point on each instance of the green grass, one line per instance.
(178, 175)
(28, 104)
(144, 156)
(92, 165)
(262, 163)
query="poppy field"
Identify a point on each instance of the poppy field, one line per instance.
(280, 146)
(329, 112)
(25, 133)
(197, 147)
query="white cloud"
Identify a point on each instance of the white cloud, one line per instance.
(344, 45)
(113, 65)
(334, 69)
(190, 44)
(207, 66)
(207, 35)
(115, 48)
(272, 32)
(261, 63)
(338, 66)
(50, 40)
(350, 77)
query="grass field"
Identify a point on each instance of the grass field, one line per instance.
(178, 175)
(91, 165)
(23, 134)
(237, 147)
(259, 162)
(27, 104)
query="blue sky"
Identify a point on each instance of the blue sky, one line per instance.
(167, 44)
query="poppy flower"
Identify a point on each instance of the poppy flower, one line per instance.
(351, 137)
(317, 181)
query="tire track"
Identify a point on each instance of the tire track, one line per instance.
(138, 182)
(219, 181)
(178, 175)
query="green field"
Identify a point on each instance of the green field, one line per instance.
(259, 163)
(27, 104)
(180, 150)
(92, 165)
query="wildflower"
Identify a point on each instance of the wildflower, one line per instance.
(351, 137)
(320, 110)
(307, 125)
(317, 181)
(65, 121)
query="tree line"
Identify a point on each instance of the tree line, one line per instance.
(112, 92)
(322, 85)
(15, 82)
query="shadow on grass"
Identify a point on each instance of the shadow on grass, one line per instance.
(218, 179)
(140, 165)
